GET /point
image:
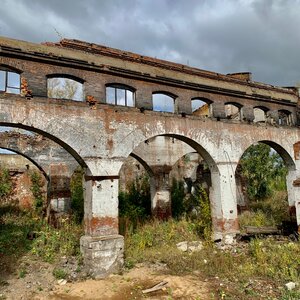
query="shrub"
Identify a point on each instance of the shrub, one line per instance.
(177, 198)
(263, 178)
(52, 243)
(5, 183)
(59, 273)
(37, 191)
(134, 205)
(77, 199)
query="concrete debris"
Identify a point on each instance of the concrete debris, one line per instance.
(190, 246)
(290, 285)
(62, 281)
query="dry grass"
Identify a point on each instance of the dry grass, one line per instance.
(254, 267)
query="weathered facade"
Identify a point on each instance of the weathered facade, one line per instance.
(117, 118)
(53, 161)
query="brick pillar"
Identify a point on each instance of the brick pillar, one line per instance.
(102, 246)
(160, 192)
(223, 201)
(59, 188)
(293, 190)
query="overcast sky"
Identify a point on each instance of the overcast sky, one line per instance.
(259, 36)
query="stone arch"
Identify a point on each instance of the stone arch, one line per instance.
(41, 169)
(10, 68)
(289, 163)
(65, 75)
(201, 106)
(143, 163)
(159, 167)
(68, 148)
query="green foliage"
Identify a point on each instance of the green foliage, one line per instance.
(134, 205)
(264, 170)
(203, 219)
(22, 273)
(77, 199)
(267, 212)
(14, 227)
(59, 273)
(36, 189)
(196, 207)
(156, 236)
(52, 242)
(177, 198)
(48, 243)
(136, 202)
(255, 218)
(5, 183)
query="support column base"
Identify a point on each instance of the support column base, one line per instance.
(102, 255)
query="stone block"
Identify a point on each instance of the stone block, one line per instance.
(102, 255)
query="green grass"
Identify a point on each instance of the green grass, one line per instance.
(59, 273)
(26, 233)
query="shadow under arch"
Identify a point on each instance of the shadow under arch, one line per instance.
(31, 160)
(143, 163)
(64, 145)
(199, 149)
(158, 160)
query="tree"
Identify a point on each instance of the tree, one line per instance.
(64, 88)
(264, 171)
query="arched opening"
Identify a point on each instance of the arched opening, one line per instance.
(61, 86)
(56, 164)
(23, 182)
(163, 102)
(262, 192)
(201, 107)
(120, 94)
(190, 180)
(134, 194)
(32, 130)
(10, 80)
(24, 189)
(152, 173)
(233, 111)
(260, 114)
(285, 118)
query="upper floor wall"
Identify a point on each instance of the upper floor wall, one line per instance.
(114, 77)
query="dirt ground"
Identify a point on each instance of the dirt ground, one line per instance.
(39, 284)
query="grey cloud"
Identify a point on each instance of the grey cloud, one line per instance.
(260, 36)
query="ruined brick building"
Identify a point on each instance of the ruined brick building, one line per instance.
(132, 105)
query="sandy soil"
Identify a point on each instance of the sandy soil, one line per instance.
(39, 284)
